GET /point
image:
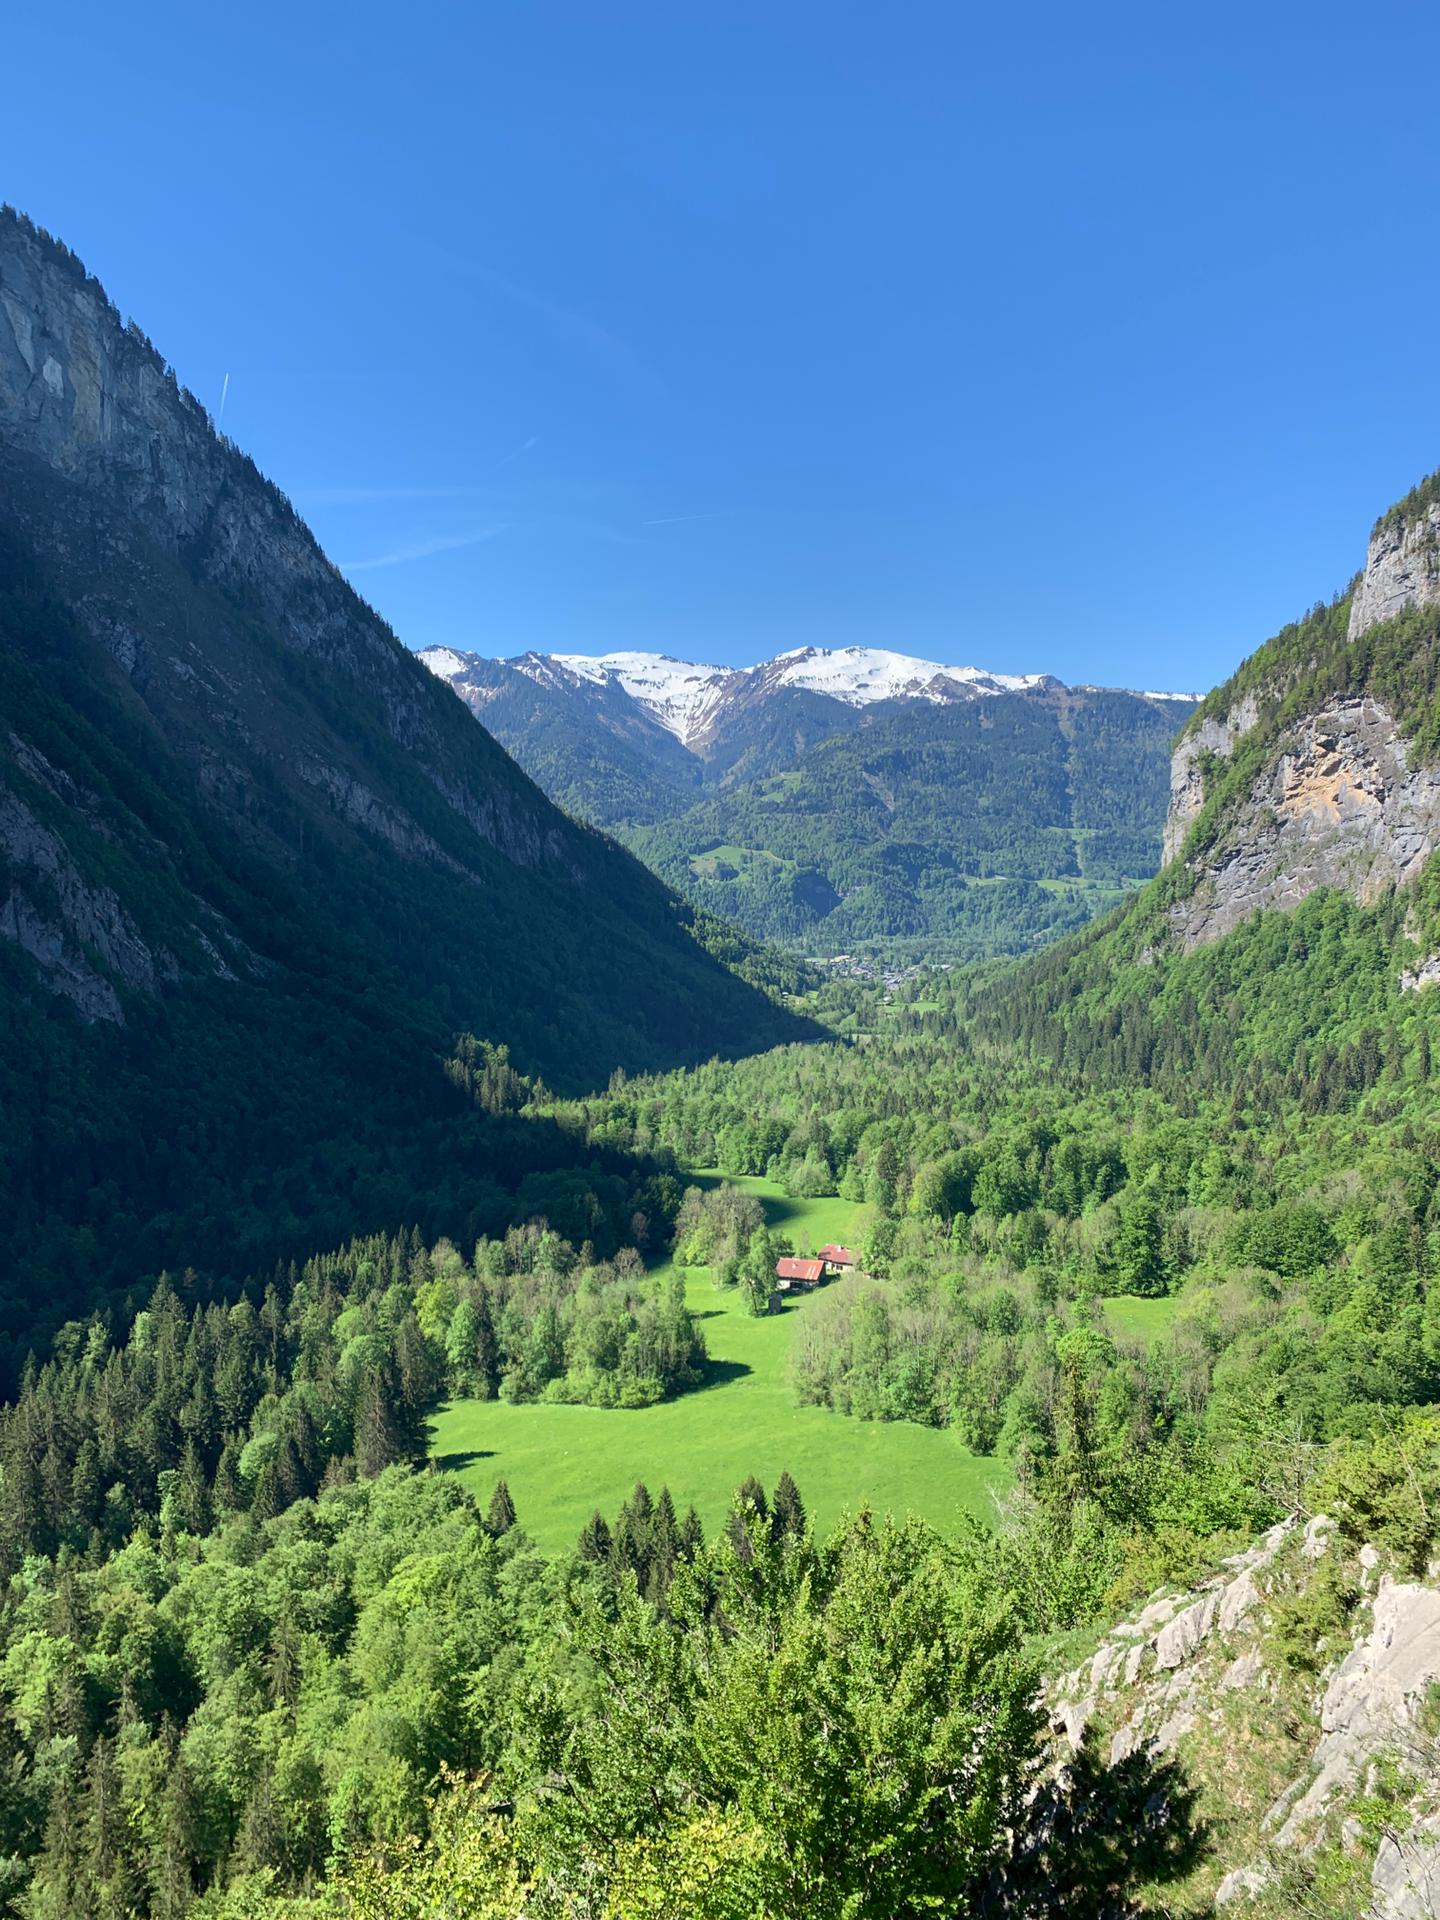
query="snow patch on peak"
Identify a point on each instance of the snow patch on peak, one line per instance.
(860, 675)
(677, 692)
(444, 662)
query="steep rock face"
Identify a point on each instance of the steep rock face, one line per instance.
(91, 403)
(1187, 782)
(1278, 1756)
(1339, 806)
(258, 867)
(1402, 567)
(1331, 789)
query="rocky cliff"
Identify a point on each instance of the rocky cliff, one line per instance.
(1402, 566)
(1314, 1764)
(1315, 767)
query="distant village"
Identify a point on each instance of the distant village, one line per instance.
(850, 966)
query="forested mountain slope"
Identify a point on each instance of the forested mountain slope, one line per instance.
(259, 868)
(1152, 1222)
(958, 831)
(849, 800)
(1309, 780)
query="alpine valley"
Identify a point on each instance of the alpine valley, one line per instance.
(854, 800)
(522, 1403)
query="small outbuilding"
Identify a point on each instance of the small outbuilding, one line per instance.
(838, 1259)
(799, 1273)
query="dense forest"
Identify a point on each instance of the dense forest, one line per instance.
(962, 831)
(250, 1644)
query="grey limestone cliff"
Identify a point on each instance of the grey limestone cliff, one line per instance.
(1340, 805)
(1343, 799)
(1402, 567)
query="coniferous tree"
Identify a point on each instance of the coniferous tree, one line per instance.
(500, 1515)
(692, 1535)
(172, 1863)
(632, 1534)
(787, 1510)
(192, 1492)
(260, 1839)
(113, 1882)
(376, 1445)
(664, 1547)
(61, 1888)
(595, 1543)
(229, 1490)
(749, 1504)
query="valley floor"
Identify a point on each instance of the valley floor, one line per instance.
(561, 1463)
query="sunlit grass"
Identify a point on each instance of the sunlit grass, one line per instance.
(562, 1462)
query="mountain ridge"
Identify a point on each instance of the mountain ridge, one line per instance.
(684, 695)
(258, 872)
(949, 814)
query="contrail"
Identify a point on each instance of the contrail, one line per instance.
(516, 452)
(224, 395)
(674, 519)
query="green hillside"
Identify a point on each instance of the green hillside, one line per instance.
(262, 873)
(964, 831)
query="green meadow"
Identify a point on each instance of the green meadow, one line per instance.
(562, 1462)
(1133, 1318)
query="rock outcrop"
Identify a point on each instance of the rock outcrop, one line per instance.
(1402, 566)
(1340, 805)
(1172, 1682)
(1343, 799)
(1187, 767)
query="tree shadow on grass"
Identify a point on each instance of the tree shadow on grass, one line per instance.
(722, 1373)
(457, 1462)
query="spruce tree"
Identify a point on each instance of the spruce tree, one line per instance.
(632, 1534)
(692, 1535)
(375, 1440)
(60, 1889)
(664, 1547)
(749, 1504)
(172, 1863)
(595, 1543)
(500, 1516)
(229, 1493)
(192, 1493)
(787, 1509)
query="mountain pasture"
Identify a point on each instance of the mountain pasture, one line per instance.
(562, 1462)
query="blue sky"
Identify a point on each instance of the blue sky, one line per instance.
(1085, 339)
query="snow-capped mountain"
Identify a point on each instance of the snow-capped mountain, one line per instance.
(859, 675)
(849, 793)
(679, 693)
(689, 699)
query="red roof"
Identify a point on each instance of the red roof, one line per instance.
(838, 1256)
(799, 1269)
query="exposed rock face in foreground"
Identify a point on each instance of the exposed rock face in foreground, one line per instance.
(1202, 1677)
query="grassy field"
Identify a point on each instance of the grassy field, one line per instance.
(1135, 1319)
(563, 1462)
